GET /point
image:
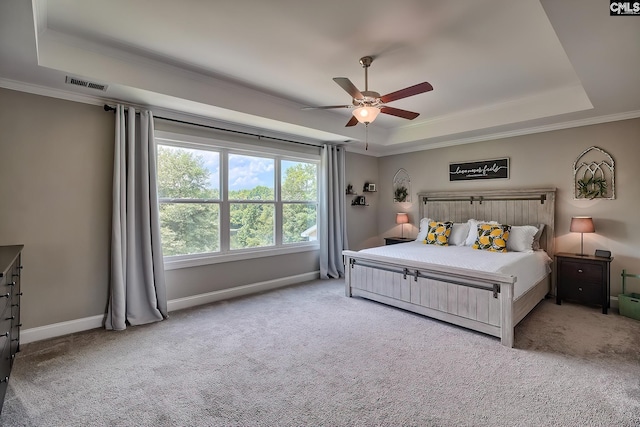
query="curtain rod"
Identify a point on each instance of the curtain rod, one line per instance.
(110, 108)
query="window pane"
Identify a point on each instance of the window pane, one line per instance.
(299, 181)
(189, 228)
(251, 178)
(251, 225)
(299, 223)
(185, 173)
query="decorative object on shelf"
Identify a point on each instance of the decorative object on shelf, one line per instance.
(594, 175)
(350, 189)
(402, 218)
(359, 201)
(582, 224)
(401, 187)
(371, 188)
(482, 169)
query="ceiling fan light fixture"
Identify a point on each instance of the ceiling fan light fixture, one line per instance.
(366, 114)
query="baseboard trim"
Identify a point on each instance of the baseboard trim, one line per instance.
(62, 328)
(209, 297)
(72, 326)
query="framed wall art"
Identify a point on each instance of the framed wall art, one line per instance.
(481, 169)
(594, 175)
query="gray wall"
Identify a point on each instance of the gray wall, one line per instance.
(541, 160)
(55, 186)
(362, 221)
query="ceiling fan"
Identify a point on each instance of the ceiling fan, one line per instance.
(368, 104)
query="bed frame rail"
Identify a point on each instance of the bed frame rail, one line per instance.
(416, 273)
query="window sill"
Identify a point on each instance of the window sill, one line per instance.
(176, 263)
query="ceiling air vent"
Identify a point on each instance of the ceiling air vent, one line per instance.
(85, 83)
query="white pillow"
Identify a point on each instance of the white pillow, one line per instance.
(424, 229)
(459, 233)
(473, 230)
(536, 238)
(521, 238)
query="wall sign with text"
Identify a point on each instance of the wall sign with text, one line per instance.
(483, 169)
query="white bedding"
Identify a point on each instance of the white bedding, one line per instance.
(528, 267)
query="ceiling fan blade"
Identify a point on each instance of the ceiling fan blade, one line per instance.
(352, 122)
(399, 113)
(351, 89)
(406, 92)
(327, 107)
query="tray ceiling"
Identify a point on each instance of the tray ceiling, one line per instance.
(498, 67)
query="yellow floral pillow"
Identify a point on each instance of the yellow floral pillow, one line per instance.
(492, 237)
(438, 233)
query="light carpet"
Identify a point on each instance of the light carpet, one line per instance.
(308, 355)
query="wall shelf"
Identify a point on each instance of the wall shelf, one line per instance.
(359, 201)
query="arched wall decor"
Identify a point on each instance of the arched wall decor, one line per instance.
(401, 187)
(594, 175)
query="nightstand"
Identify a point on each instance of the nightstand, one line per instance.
(583, 279)
(396, 240)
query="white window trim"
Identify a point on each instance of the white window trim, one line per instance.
(227, 147)
(196, 260)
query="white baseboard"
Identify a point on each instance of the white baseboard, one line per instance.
(93, 322)
(59, 329)
(209, 297)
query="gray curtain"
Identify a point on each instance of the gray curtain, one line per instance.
(333, 230)
(137, 291)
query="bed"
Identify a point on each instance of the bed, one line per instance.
(461, 290)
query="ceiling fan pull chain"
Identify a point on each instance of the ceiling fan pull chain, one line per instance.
(366, 136)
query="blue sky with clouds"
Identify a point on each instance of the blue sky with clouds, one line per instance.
(245, 171)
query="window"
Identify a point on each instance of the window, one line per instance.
(252, 201)
(299, 185)
(189, 194)
(220, 202)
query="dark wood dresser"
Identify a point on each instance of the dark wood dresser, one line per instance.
(584, 279)
(10, 271)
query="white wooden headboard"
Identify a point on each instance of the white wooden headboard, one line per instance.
(513, 207)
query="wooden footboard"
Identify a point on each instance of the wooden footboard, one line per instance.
(482, 302)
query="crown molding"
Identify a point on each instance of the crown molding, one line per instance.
(52, 93)
(519, 132)
(157, 111)
(374, 151)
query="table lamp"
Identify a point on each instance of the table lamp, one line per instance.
(402, 218)
(582, 224)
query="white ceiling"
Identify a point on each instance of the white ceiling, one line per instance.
(498, 67)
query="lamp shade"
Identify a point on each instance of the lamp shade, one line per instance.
(402, 218)
(366, 114)
(582, 224)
